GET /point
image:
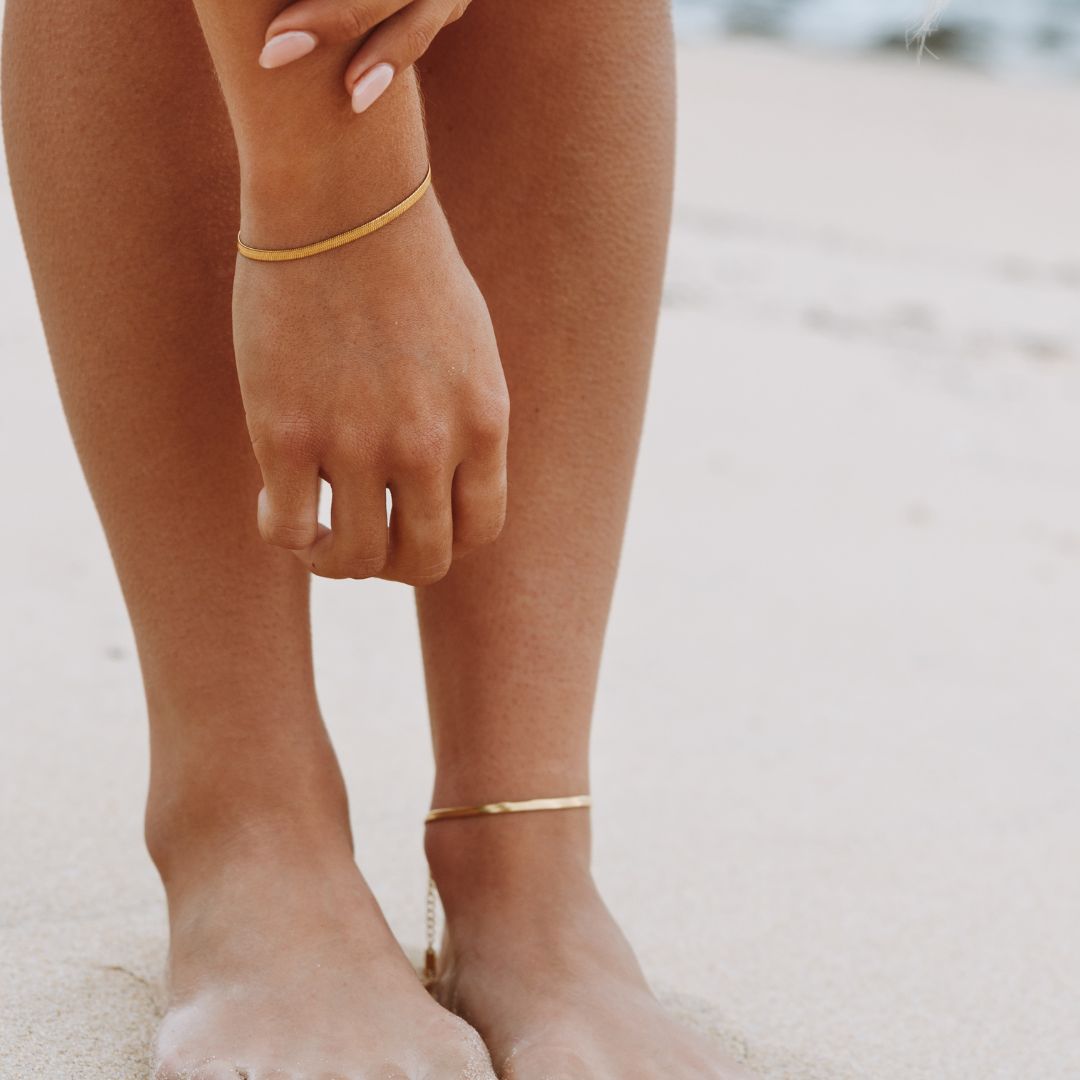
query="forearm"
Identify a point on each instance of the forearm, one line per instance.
(309, 165)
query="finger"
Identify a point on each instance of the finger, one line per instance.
(421, 532)
(395, 44)
(288, 504)
(307, 23)
(355, 544)
(479, 503)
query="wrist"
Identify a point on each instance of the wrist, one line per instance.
(306, 175)
(294, 202)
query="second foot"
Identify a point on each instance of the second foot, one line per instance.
(547, 978)
(282, 968)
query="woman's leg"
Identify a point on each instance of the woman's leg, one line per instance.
(551, 130)
(123, 168)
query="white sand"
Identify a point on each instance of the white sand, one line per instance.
(837, 734)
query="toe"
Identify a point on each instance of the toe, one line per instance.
(549, 1063)
(465, 1056)
(471, 1066)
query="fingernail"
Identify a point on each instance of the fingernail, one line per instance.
(284, 48)
(370, 86)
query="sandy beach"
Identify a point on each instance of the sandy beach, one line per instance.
(836, 746)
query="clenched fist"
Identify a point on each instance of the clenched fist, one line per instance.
(375, 367)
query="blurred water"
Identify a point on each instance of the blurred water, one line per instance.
(1034, 36)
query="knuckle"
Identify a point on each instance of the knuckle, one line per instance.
(489, 531)
(348, 447)
(491, 419)
(481, 513)
(286, 533)
(479, 533)
(295, 438)
(354, 20)
(457, 11)
(366, 566)
(417, 36)
(427, 575)
(426, 451)
(464, 548)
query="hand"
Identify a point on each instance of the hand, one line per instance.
(374, 366)
(395, 34)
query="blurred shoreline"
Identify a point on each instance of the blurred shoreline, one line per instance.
(1018, 38)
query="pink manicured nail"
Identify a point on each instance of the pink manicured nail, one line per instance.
(370, 86)
(284, 48)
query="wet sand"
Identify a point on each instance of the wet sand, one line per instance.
(836, 738)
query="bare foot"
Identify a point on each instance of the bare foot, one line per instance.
(534, 961)
(282, 968)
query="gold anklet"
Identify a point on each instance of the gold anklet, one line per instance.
(566, 802)
(332, 242)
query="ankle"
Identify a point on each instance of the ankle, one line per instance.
(189, 836)
(239, 807)
(523, 863)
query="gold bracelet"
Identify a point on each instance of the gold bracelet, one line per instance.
(331, 242)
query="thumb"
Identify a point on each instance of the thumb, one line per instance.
(394, 45)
